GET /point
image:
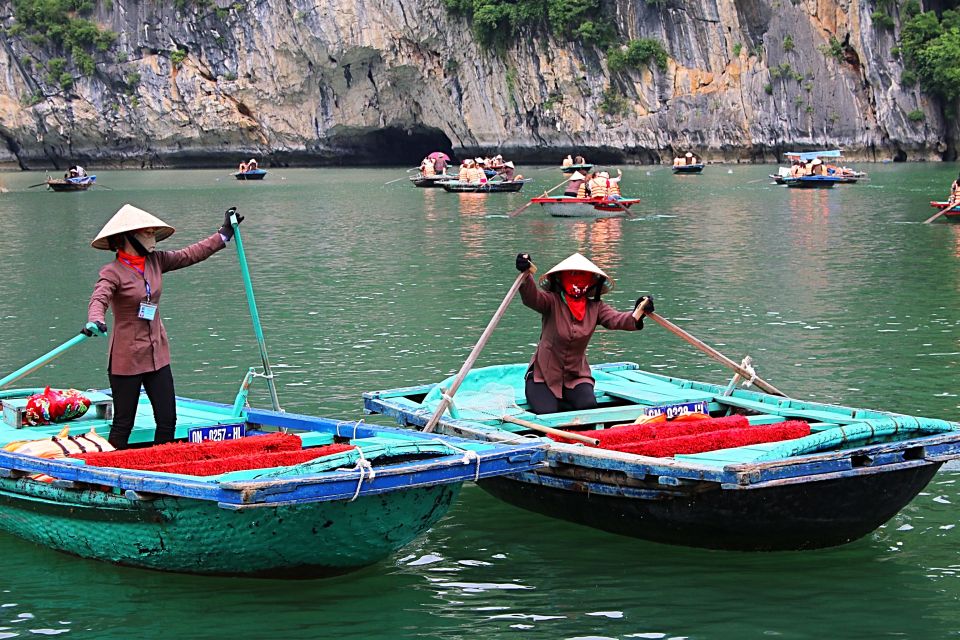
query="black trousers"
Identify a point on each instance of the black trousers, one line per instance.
(126, 395)
(542, 400)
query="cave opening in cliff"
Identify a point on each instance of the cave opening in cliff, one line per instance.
(391, 145)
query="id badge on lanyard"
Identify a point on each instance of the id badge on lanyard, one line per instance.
(148, 311)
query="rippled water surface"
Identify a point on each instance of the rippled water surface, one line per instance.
(840, 296)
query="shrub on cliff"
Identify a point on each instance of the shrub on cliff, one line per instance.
(497, 23)
(636, 54)
(931, 50)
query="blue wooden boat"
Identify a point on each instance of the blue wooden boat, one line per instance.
(332, 514)
(78, 183)
(812, 182)
(584, 168)
(255, 174)
(490, 186)
(431, 182)
(853, 472)
(688, 168)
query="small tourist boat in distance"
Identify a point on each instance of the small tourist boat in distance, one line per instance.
(251, 174)
(688, 163)
(79, 183)
(829, 158)
(811, 182)
(582, 168)
(250, 493)
(756, 472)
(490, 186)
(953, 214)
(569, 207)
(431, 182)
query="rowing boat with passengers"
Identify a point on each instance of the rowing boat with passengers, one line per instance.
(572, 207)
(754, 470)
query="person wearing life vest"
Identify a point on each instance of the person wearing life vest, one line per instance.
(598, 184)
(570, 309)
(138, 352)
(427, 168)
(954, 198)
(613, 186)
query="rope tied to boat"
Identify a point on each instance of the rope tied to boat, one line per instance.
(468, 457)
(365, 467)
(747, 365)
(355, 423)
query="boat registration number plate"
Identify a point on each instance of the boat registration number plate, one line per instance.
(217, 433)
(674, 410)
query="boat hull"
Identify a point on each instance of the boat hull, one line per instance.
(792, 517)
(195, 536)
(511, 186)
(584, 207)
(256, 174)
(690, 168)
(72, 184)
(431, 182)
(952, 214)
(582, 168)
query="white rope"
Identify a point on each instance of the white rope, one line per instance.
(468, 457)
(747, 364)
(256, 374)
(356, 425)
(363, 466)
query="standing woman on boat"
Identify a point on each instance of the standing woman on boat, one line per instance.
(138, 352)
(571, 309)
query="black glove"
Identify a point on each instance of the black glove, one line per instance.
(649, 306)
(227, 229)
(524, 262)
(101, 327)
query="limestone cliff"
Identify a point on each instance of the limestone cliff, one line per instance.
(385, 81)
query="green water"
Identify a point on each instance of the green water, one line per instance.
(840, 296)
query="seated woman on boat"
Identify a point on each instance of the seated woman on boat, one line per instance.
(954, 198)
(242, 168)
(598, 184)
(678, 161)
(138, 352)
(252, 164)
(427, 168)
(507, 170)
(579, 160)
(476, 174)
(574, 184)
(464, 174)
(571, 309)
(568, 161)
(583, 191)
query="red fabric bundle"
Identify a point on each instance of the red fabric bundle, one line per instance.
(249, 461)
(55, 406)
(179, 452)
(635, 433)
(714, 440)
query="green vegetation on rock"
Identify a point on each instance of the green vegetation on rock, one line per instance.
(636, 54)
(931, 52)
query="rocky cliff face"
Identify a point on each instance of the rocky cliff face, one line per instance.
(385, 81)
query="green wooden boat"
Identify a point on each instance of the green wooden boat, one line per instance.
(331, 515)
(852, 471)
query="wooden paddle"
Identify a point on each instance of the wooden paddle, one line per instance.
(556, 432)
(398, 179)
(40, 184)
(30, 367)
(713, 353)
(939, 213)
(545, 194)
(472, 358)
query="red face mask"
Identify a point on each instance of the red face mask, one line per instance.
(576, 285)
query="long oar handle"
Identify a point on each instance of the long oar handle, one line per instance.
(938, 214)
(545, 193)
(472, 358)
(713, 353)
(550, 430)
(254, 314)
(47, 357)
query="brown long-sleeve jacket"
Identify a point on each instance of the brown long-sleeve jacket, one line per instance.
(561, 356)
(136, 345)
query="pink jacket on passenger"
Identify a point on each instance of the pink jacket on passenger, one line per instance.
(140, 346)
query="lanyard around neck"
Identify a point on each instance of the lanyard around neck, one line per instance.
(129, 264)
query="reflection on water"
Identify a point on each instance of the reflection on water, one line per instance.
(839, 295)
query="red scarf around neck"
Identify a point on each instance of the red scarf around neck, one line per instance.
(137, 262)
(576, 286)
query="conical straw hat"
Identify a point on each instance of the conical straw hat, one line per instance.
(577, 176)
(577, 262)
(130, 218)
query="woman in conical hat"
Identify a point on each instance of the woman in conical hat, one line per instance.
(130, 285)
(571, 309)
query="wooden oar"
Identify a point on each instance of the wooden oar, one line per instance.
(40, 184)
(555, 432)
(939, 213)
(50, 355)
(713, 353)
(398, 179)
(545, 194)
(472, 358)
(254, 314)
